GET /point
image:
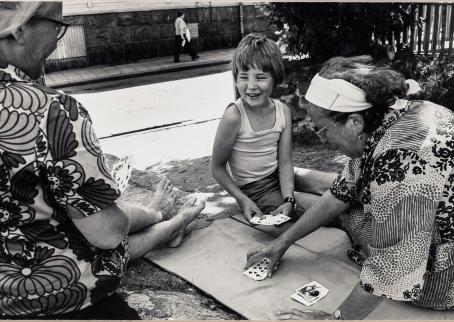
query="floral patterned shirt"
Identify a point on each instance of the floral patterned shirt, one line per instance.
(401, 219)
(51, 170)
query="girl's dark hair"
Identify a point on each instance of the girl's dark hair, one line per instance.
(180, 13)
(259, 52)
(381, 84)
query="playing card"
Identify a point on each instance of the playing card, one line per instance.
(310, 293)
(270, 219)
(121, 172)
(258, 271)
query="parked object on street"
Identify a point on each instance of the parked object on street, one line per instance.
(182, 39)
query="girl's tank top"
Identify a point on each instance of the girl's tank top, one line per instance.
(254, 155)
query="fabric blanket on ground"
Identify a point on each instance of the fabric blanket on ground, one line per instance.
(213, 259)
(213, 256)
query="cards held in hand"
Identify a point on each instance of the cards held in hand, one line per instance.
(310, 293)
(258, 271)
(270, 219)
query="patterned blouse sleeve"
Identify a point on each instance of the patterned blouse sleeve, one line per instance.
(77, 175)
(404, 192)
(344, 186)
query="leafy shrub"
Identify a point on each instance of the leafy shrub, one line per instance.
(324, 30)
(436, 77)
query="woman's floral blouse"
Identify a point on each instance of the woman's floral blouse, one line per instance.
(401, 219)
(51, 170)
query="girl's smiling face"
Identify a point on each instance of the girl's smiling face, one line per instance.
(255, 86)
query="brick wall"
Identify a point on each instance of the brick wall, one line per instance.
(116, 38)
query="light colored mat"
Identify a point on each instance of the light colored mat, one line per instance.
(212, 259)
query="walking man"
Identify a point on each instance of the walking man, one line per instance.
(182, 40)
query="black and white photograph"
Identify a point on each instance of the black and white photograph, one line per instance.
(221, 160)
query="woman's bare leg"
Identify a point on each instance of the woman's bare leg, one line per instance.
(313, 181)
(163, 232)
(157, 210)
(309, 186)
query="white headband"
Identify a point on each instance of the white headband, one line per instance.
(336, 95)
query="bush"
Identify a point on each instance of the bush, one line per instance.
(324, 30)
(436, 77)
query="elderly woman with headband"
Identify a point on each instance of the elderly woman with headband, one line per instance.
(64, 238)
(395, 197)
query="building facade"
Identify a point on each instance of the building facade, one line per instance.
(117, 32)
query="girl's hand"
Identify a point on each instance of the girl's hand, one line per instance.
(301, 315)
(250, 209)
(273, 251)
(285, 209)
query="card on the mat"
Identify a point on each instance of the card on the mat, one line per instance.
(121, 172)
(258, 271)
(310, 293)
(270, 219)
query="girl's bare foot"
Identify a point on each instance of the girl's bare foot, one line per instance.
(164, 198)
(188, 213)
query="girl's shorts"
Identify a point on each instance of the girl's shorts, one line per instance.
(266, 192)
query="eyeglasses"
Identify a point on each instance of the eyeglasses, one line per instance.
(322, 132)
(61, 26)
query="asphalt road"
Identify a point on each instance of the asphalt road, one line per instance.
(158, 118)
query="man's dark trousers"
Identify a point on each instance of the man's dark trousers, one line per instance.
(187, 46)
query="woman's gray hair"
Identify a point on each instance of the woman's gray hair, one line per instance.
(381, 84)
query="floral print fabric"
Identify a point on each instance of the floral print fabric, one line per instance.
(51, 170)
(401, 219)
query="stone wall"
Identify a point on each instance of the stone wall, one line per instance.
(116, 38)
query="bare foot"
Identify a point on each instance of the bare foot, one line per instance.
(188, 212)
(164, 198)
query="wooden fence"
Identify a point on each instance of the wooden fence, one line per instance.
(434, 34)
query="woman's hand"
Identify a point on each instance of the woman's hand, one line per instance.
(301, 315)
(164, 198)
(273, 251)
(285, 209)
(250, 209)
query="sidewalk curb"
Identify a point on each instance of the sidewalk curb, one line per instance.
(104, 78)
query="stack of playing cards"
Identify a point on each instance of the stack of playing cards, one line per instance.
(310, 293)
(270, 219)
(121, 172)
(258, 271)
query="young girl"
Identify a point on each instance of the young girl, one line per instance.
(252, 153)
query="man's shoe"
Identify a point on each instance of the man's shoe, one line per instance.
(176, 61)
(196, 57)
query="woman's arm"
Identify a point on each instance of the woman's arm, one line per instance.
(222, 149)
(324, 211)
(286, 174)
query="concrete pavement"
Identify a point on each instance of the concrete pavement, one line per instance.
(144, 67)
